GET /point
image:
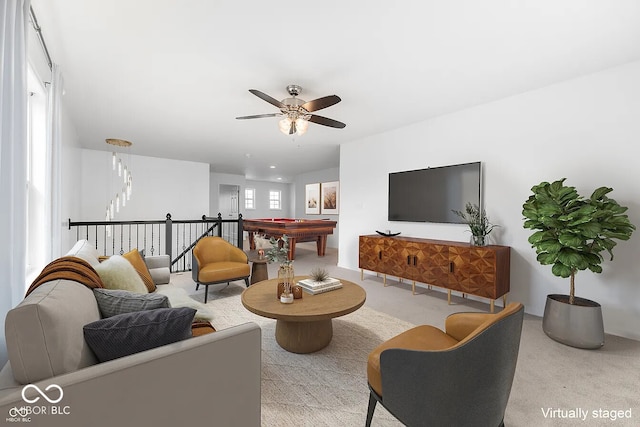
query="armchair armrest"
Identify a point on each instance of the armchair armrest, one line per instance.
(459, 325)
(185, 383)
(238, 255)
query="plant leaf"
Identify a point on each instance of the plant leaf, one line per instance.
(561, 270)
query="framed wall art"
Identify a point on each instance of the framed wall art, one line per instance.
(330, 200)
(312, 199)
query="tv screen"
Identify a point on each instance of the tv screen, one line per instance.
(430, 195)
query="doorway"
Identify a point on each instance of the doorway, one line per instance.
(228, 206)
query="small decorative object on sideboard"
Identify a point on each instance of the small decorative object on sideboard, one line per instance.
(387, 233)
(478, 223)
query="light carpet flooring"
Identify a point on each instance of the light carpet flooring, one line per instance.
(555, 385)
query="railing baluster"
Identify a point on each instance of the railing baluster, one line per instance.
(185, 233)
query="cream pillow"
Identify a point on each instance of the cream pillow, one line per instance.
(118, 273)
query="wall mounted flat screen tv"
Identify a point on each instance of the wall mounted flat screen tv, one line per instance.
(430, 195)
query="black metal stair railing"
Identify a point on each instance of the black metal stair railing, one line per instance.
(156, 237)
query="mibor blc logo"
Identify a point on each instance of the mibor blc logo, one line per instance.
(54, 387)
(37, 403)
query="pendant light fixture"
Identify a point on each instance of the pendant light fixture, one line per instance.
(122, 171)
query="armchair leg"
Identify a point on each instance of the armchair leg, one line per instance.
(246, 281)
(206, 293)
(372, 407)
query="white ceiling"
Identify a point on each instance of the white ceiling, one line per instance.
(172, 75)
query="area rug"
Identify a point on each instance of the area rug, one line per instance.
(325, 388)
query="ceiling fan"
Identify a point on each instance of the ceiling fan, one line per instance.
(296, 112)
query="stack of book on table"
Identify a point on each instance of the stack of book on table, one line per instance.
(313, 287)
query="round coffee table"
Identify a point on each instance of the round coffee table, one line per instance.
(305, 325)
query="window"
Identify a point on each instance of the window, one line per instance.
(36, 151)
(249, 198)
(274, 199)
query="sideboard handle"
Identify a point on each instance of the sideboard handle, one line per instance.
(451, 266)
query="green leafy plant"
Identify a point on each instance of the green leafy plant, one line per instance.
(279, 251)
(571, 231)
(319, 274)
(476, 219)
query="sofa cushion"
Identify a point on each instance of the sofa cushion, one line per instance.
(114, 301)
(179, 297)
(85, 250)
(130, 333)
(136, 260)
(224, 270)
(118, 273)
(44, 332)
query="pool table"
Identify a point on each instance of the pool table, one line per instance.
(298, 230)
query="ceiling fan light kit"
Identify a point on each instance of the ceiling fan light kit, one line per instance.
(296, 112)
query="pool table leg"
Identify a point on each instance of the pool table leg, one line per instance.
(292, 248)
(321, 243)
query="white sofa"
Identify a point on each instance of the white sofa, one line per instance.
(212, 379)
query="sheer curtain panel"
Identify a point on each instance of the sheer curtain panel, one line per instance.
(54, 164)
(14, 15)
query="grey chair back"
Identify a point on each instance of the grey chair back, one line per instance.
(468, 385)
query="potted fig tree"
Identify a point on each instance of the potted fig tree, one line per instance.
(571, 233)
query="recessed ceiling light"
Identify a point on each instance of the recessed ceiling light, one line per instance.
(272, 166)
(279, 179)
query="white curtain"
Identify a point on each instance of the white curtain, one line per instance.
(54, 164)
(14, 15)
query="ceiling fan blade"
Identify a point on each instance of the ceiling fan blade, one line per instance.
(320, 103)
(326, 121)
(259, 116)
(267, 98)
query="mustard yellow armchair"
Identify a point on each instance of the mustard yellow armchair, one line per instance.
(217, 261)
(458, 377)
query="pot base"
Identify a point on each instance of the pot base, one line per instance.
(578, 325)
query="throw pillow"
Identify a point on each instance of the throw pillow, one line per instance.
(136, 260)
(118, 273)
(131, 333)
(113, 301)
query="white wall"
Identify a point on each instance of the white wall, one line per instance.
(300, 182)
(160, 186)
(585, 129)
(262, 209)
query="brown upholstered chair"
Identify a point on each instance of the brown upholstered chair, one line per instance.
(217, 261)
(458, 377)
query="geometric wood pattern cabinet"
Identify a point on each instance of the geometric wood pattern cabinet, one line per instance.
(456, 266)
